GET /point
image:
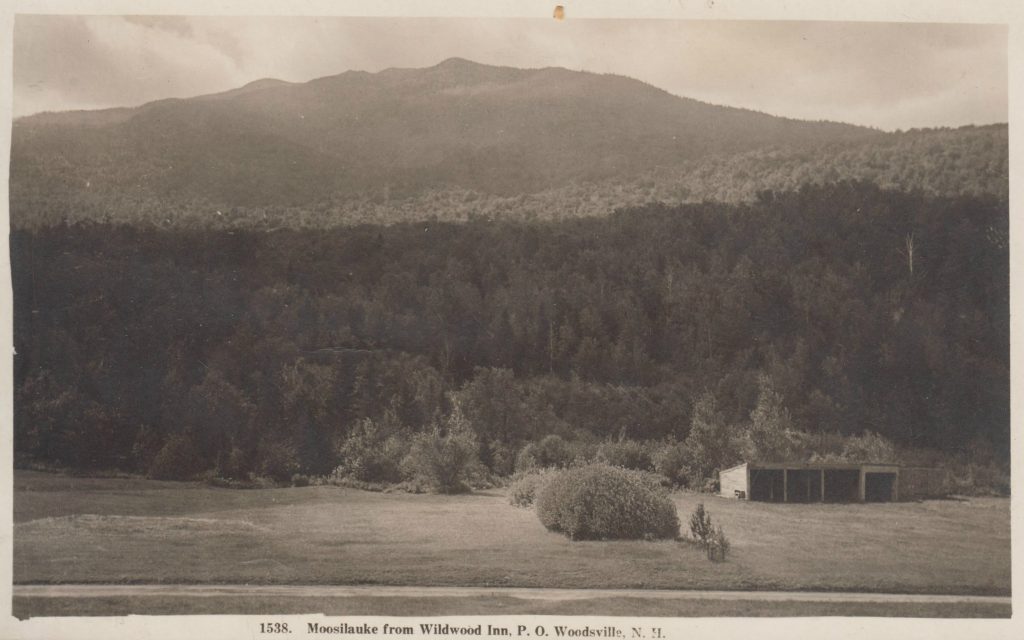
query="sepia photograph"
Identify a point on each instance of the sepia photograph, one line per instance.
(357, 325)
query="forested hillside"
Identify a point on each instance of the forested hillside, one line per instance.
(450, 142)
(839, 309)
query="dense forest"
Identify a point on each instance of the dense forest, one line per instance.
(826, 313)
(938, 162)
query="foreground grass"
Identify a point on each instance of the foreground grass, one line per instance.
(139, 531)
(26, 607)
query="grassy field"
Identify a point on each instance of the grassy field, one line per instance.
(493, 605)
(79, 530)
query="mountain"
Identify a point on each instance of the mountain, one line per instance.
(361, 138)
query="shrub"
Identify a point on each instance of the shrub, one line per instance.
(235, 465)
(502, 458)
(278, 460)
(413, 485)
(672, 461)
(445, 457)
(974, 479)
(178, 459)
(654, 481)
(551, 451)
(869, 447)
(710, 485)
(300, 480)
(479, 477)
(374, 452)
(525, 486)
(700, 525)
(581, 453)
(976, 471)
(228, 483)
(526, 459)
(264, 482)
(717, 545)
(599, 501)
(628, 454)
(710, 538)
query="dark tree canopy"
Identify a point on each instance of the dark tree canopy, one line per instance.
(244, 348)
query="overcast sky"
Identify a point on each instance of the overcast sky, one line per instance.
(884, 75)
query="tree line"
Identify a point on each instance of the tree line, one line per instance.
(843, 308)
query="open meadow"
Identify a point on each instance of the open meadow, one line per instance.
(91, 530)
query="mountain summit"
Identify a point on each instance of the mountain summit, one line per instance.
(400, 132)
(495, 129)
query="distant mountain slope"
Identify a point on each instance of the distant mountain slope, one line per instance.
(390, 140)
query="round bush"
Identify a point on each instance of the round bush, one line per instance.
(551, 451)
(599, 501)
(524, 487)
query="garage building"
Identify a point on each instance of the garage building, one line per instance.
(830, 482)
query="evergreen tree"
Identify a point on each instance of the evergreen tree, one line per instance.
(771, 437)
(709, 443)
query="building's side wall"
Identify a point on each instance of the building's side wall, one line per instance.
(732, 480)
(919, 483)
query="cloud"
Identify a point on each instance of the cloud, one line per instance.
(890, 75)
(82, 62)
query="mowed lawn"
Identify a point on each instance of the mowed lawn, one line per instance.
(489, 605)
(80, 530)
